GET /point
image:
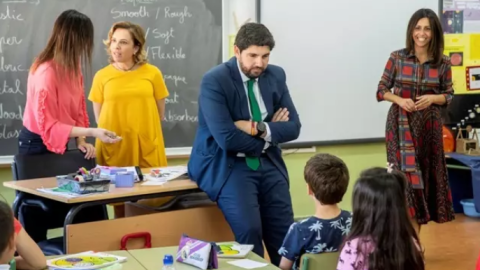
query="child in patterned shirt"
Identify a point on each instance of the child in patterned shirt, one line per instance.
(327, 181)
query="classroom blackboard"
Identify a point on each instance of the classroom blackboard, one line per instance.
(184, 40)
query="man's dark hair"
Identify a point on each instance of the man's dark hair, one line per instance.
(6, 226)
(327, 176)
(254, 34)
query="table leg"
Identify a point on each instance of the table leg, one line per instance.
(71, 216)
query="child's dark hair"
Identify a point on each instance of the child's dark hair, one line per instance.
(380, 213)
(6, 225)
(327, 176)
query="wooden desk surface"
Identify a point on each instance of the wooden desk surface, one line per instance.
(152, 259)
(130, 264)
(30, 186)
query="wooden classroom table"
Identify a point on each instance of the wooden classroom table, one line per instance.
(152, 259)
(115, 195)
(130, 264)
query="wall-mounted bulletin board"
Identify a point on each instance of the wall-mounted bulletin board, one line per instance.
(461, 25)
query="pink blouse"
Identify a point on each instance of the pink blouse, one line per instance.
(351, 259)
(54, 106)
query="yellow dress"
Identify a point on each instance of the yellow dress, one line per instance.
(129, 109)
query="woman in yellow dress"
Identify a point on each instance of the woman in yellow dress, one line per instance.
(128, 96)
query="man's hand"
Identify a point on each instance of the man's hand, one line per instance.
(86, 148)
(281, 115)
(246, 126)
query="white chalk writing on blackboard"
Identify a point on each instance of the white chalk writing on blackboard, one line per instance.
(157, 52)
(9, 14)
(173, 98)
(34, 2)
(176, 79)
(9, 41)
(140, 13)
(159, 34)
(8, 133)
(186, 117)
(7, 89)
(135, 2)
(169, 13)
(8, 115)
(5, 67)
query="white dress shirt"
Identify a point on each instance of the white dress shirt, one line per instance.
(261, 104)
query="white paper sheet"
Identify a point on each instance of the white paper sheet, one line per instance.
(247, 264)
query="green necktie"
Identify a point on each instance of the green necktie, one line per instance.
(253, 162)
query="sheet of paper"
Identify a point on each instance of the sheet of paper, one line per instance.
(159, 176)
(153, 183)
(247, 264)
(64, 193)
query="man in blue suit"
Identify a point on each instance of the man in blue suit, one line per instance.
(245, 112)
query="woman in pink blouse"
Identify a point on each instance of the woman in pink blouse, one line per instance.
(55, 110)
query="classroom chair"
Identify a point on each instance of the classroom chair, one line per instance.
(49, 214)
(324, 261)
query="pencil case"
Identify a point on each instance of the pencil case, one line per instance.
(197, 253)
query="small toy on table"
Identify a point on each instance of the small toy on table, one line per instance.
(84, 182)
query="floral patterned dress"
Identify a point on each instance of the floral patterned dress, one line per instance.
(414, 140)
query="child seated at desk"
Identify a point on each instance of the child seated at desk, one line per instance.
(14, 238)
(382, 235)
(327, 181)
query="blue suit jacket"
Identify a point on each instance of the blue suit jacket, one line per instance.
(223, 101)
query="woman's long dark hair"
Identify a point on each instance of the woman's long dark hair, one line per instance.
(380, 213)
(437, 44)
(70, 42)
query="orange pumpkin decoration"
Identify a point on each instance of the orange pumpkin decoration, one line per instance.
(448, 140)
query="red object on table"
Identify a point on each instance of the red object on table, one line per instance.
(146, 235)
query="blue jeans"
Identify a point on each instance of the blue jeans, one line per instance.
(30, 143)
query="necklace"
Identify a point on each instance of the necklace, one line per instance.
(122, 69)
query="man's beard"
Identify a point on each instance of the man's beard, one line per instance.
(249, 73)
